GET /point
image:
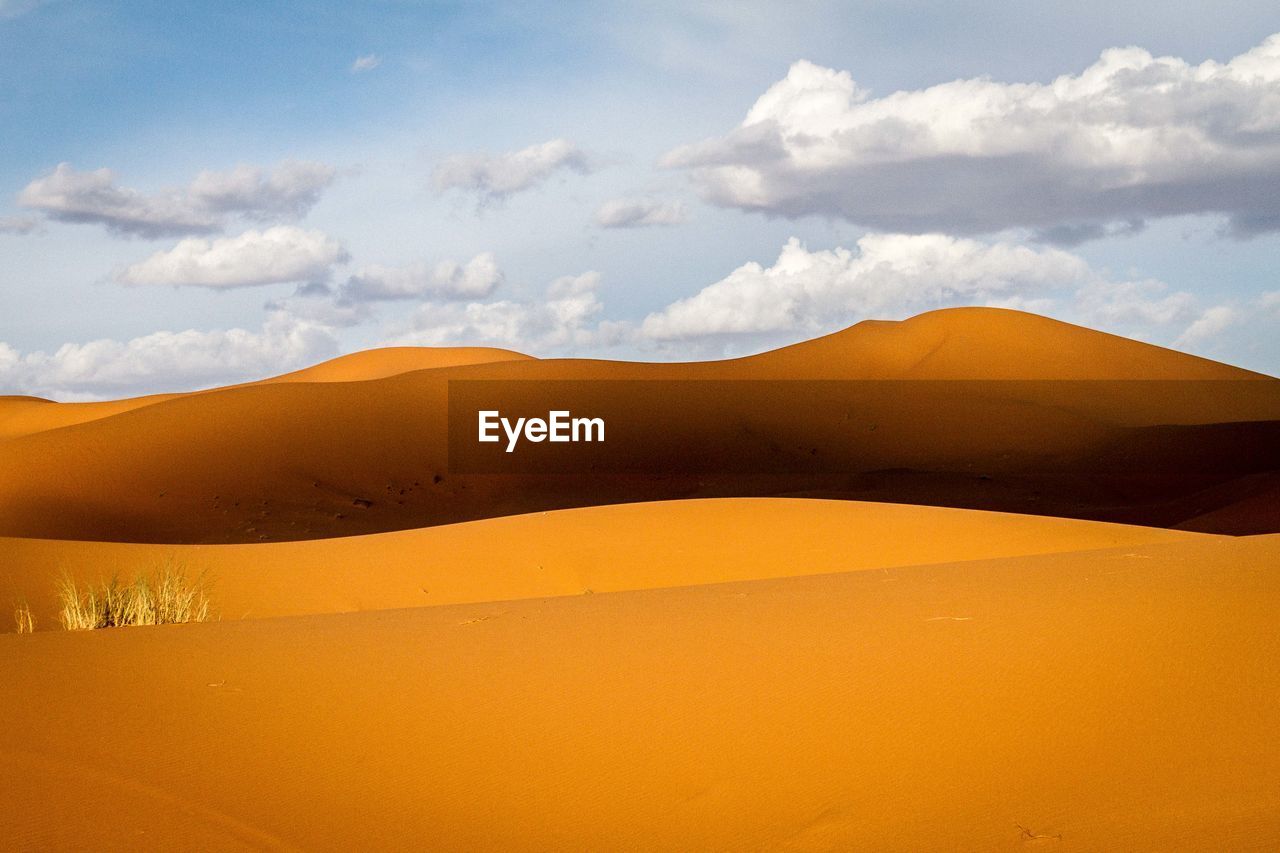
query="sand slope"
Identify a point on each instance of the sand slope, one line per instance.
(569, 552)
(304, 460)
(26, 415)
(1120, 700)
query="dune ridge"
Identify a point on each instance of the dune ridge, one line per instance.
(837, 657)
(567, 552)
(1068, 427)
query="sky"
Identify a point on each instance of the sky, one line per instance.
(197, 194)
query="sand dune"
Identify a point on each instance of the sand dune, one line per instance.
(26, 415)
(1116, 700)
(1070, 425)
(392, 361)
(570, 552)
(755, 619)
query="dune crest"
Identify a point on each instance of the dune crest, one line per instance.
(289, 460)
(392, 361)
(567, 552)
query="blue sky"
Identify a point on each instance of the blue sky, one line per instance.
(616, 181)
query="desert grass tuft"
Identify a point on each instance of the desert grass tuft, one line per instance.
(25, 619)
(161, 598)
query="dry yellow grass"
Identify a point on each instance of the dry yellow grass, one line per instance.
(24, 618)
(161, 598)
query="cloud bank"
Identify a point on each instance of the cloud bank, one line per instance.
(167, 360)
(1131, 137)
(803, 293)
(887, 276)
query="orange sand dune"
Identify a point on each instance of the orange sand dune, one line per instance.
(392, 361)
(25, 415)
(991, 343)
(1120, 700)
(597, 549)
(307, 460)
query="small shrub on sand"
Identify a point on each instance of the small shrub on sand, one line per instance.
(25, 619)
(161, 598)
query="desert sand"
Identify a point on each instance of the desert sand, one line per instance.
(984, 409)
(1034, 607)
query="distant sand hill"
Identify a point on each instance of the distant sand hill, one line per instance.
(1018, 590)
(1050, 421)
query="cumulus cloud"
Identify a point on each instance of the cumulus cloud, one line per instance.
(17, 225)
(568, 317)
(1145, 302)
(166, 360)
(477, 278)
(288, 191)
(280, 254)
(68, 195)
(1131, 137)
(367, 62)
(639, 213)
(495, 177)
(1213, 322)
(888, 275)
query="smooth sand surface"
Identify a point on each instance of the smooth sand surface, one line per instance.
(1109, 700)
(568, 552)
(1051, 423)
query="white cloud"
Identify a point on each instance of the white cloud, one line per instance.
(889, 275)
(367, 62)
(17, 225)
(166, 360)
(1213, 322)
(1131, 137)
(476, 279)
(496, 176)
(567, 318)
(639, 213)
(68, 195)
(280, 254)
(1145, 302)
(289, 191)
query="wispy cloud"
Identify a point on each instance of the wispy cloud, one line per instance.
(639, 213)
(367, 62)
(203, 207)
(495, 177)
(18, 225)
